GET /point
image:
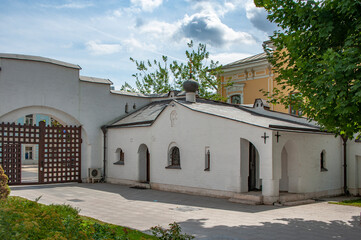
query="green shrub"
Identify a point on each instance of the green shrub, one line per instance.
(4, 188)
(25, 219)
(173, 233)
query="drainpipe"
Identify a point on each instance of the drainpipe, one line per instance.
(345, 188)
(104, 129)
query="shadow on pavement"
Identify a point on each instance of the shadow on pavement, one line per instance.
(288, 229)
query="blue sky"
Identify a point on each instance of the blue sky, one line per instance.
(101, 36)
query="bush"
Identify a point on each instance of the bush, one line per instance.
(4, 188)
(24, 219)
(173, 233)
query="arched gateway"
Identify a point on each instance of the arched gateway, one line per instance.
(58, 150)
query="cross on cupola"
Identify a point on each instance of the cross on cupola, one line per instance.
(265, 137)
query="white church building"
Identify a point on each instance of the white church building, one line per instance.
(172, 142)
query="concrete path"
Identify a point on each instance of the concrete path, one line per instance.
(204, 217)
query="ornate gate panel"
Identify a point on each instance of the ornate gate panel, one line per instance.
(61, 160)
(12, 165)
(59, 151)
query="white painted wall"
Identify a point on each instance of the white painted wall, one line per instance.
(303, 162)
(193, 131)
(354, 167)
(29, 87)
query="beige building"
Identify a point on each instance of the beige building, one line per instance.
(242, 82)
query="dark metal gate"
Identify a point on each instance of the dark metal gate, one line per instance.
(59, 151)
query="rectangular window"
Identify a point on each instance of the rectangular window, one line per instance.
(207, 159)
(29, 119)
(28, 153)
(237, 99)
(293, 110)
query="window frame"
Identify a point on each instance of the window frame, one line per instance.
(119, 153)
(323, 161)
(240, 98)
(292, 110)
(171, 161)
(207, 163)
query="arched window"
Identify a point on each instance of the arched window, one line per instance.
(173, 157)
(323, 161)
(119, 157)
(126, 108)
(207, 159)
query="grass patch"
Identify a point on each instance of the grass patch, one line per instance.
(24, 219)
(355, 202)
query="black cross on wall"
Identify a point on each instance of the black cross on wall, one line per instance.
(278, 135)
(265, 137)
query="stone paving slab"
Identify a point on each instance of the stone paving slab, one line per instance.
(204, 217)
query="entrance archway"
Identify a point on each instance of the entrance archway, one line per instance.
(144, 163)
(37, 147)
(250, 165)
(284, 171)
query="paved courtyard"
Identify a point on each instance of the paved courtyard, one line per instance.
(204, 217)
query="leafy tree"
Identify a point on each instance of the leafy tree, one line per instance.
(160, 76)
(317, 57)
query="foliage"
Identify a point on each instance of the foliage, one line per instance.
(317, 58)
(173, 233)
(24, 219)
(4, 188)
(355, 202)
(161, 77)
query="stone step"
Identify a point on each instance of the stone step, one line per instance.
(243, 201)
(292, 197)
(299, 202)
(141, 185)
(248, 197)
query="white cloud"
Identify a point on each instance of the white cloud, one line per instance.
(208, 28)
(258, 17)
(213, 7)
(147, 5)
(97, 48)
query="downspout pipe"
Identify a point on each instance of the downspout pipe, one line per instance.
(105, 130)
(345, 188)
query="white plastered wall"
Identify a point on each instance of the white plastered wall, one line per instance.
(28, 87)
(192, 133)
(302, 153)
(354, 167)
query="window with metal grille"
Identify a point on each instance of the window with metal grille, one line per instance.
(174, 156)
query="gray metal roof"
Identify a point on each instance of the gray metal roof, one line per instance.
(254, 58)
(142, 117)
(249, 115)
(266, 119)
(95, 80)
(38, 59)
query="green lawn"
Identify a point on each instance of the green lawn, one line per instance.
(24, 219)
(355, 202)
